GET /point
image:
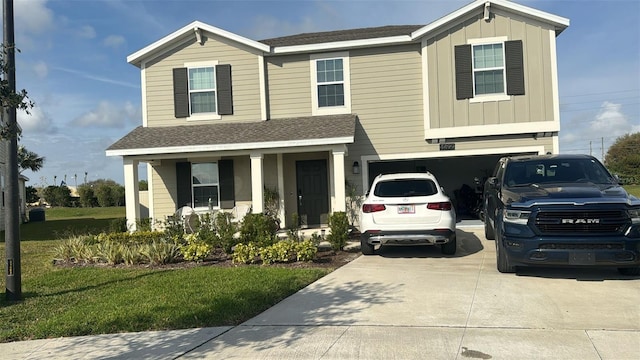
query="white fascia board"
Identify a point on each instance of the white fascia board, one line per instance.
(489, 130)
(559, 22)
(342, 45)
(230, 147)
(137, 57)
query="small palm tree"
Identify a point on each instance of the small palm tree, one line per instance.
(29, 160)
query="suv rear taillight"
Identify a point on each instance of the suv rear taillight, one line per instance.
(444, 206)
(369, 208)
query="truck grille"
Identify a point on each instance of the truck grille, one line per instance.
(562, 222)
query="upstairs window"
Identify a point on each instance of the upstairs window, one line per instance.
(202, 90)
(489, 69)
(330, 81)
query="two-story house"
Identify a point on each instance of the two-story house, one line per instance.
(225, 116)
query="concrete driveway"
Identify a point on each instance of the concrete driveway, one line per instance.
(412, 303)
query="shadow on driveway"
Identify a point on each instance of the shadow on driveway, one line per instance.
(468, 244)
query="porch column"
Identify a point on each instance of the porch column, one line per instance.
(338, 181)
(131, 192)
(257, 183)
(281, 194)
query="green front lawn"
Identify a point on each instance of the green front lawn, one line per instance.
(94, 300)
(633, 189)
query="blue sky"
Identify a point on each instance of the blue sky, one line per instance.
(73, 64)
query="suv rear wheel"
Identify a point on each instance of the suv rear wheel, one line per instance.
(450, 247)
(366, 248)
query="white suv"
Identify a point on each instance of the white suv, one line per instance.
(407, 209)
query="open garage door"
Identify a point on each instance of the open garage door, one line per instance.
(456, 175)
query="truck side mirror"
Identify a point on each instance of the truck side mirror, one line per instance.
(494, 183)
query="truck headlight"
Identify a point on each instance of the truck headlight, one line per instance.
(516, 216)
(634, 214)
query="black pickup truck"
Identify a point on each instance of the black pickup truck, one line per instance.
(561, 210)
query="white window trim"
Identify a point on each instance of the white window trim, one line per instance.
(331, 110)
(217, 184)
(489, 97)
(203, 116)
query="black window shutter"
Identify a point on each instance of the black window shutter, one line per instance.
(181, 92)
(183, 182)
(225, 94)
(227, 190)
(515, 67)
(464, 72)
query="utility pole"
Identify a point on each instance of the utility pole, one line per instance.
(590, 149)
(12, 220)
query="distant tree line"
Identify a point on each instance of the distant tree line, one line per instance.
(98, 193)
(623, 158)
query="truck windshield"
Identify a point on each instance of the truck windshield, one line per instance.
(540, 171)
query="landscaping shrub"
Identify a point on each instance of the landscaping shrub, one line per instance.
(195, 248)
(225, 229)
(294, 229)
(339, 225)
(245, 253)
(143, 224)
(118, 225)
(258, 228)
(306, 251)
(207, 230)
(160, 252)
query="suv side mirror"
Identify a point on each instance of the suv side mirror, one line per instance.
(493, 182)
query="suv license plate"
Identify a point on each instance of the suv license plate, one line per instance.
(582, 258)
(406, 209)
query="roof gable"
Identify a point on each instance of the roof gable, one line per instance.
(190, 31)
(345, 39)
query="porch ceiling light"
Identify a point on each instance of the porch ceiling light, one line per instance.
(356, 167)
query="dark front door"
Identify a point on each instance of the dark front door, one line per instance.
(313, 192)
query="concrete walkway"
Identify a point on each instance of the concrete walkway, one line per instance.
(407, 303)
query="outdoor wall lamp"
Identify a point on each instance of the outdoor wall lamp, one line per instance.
(356, 167)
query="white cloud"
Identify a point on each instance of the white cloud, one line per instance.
(41, 69)
(87, 32)
(108, 115)
(33, 16)
(595, 133)
(113, 41)
(610, 121)
(36, 122)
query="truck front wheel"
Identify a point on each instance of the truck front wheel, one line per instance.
(502, 259)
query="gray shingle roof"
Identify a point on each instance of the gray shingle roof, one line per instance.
(286, 129)
(342, 35)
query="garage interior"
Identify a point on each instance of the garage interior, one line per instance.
(455, 174)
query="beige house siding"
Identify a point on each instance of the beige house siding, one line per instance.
(164, 190)
(289, 84)
(245, 66)
(537, 103)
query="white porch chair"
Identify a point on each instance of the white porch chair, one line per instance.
(239, 212)
(188, 217)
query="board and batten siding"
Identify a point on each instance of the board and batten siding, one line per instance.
(535, 105)
(245, 66)
(289, 84)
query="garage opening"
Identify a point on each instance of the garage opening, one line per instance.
(462, 177)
